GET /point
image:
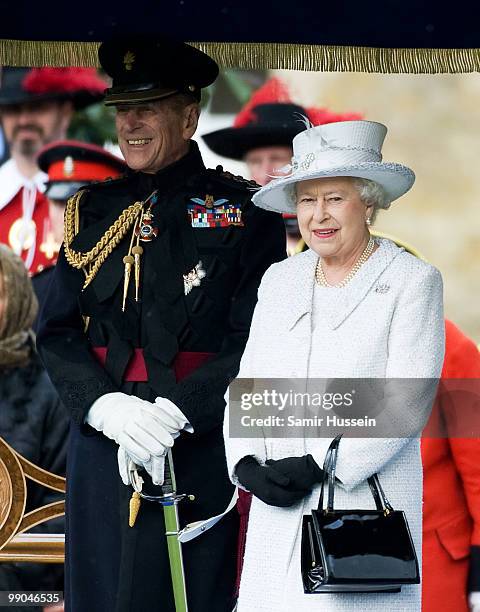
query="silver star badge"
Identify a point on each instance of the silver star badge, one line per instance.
(193, 278)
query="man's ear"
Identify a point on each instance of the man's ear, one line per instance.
(190, 120)
(66, 112)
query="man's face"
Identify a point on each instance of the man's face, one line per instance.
(263, 162)
(56, 210)
(31, 125)
(154, 134)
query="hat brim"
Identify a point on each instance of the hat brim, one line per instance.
(57, 190)
(235, 143)
(278, 195)
(80, 99)
(119, 95)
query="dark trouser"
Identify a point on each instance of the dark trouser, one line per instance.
(111, 567)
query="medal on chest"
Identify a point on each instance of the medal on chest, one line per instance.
(145, 231)
(213, 213)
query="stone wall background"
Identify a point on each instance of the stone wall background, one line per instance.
(434, 127)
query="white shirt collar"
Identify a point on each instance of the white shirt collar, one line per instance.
(11, 181)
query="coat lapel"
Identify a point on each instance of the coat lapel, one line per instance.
(363, 282)
(303, 279)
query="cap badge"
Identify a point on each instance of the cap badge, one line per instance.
(128, 60)
(68, 166)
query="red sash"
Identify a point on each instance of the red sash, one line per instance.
(184, 363)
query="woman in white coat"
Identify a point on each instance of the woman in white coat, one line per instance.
(349, 307)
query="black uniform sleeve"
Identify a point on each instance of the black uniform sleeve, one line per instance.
(200, 396)
(64, 347)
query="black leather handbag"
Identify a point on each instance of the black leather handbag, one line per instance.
(356, 551)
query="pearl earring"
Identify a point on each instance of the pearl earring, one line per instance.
(367, 221)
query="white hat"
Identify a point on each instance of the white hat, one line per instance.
(344, 148)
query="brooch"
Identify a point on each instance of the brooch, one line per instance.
(382, 288)
(193, 278)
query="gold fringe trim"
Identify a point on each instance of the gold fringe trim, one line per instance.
(323, 58)
(48, 53)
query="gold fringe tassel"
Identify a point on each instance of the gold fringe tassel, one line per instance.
(319, 58)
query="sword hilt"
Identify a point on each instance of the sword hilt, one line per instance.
(169, 485)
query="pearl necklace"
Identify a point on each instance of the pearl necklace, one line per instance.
(320, 275)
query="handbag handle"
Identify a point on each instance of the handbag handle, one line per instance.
(329, 466)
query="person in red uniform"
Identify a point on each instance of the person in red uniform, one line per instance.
(451, 511)
(36, 106)
(68, 165)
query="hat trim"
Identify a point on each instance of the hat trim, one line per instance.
(62, 190)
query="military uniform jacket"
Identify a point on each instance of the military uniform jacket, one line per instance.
(212, 318)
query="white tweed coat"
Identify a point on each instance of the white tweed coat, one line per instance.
(387, 322)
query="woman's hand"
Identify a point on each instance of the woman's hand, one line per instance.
(303, 472)
(268, 483)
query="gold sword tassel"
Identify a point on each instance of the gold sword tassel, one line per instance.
(137, 253)
(134, 508)
(128, 261)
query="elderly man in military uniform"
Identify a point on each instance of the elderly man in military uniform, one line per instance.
(147, 317)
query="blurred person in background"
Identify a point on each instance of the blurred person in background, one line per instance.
(262, 135)
(69, 165)
(32, 419)
(36, 107)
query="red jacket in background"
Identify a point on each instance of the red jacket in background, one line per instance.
(451, 512)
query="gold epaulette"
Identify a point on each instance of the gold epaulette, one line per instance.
(91, 261)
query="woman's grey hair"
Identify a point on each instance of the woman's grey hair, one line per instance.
(371, 194)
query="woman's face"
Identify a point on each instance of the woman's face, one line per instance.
(331, 215)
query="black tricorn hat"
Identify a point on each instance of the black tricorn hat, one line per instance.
(71, 164)
(268, 125)
(145, 69)
(22, 85)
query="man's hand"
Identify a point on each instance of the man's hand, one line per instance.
(155, 466)
(474, 601)
(269, 484)
(133, 423)
(303, 472)
(171, 416)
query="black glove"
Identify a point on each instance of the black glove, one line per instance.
(303, 472)
(268, 484)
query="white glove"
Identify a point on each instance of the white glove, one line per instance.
(474, 601)
(133, 423)
(171, 416)
(154, 466)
